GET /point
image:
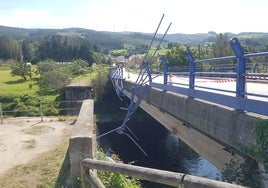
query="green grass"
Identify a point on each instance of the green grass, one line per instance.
(118, 51)
(13, 85)
(16, 86)
(84, 78)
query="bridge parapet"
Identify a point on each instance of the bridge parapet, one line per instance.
(239, 99)
(82, 144)
(226, 125)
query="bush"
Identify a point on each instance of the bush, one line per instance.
(21, 69)
(29, 105)
(99, 82)
(57, 79)
(115, 180)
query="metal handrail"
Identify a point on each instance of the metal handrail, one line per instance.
(240, 75)
(154, 175)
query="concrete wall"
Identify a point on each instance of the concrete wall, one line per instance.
(82, 143)
(75, 95)
(213, 131)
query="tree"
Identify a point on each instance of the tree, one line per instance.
(56, 79)
(21, 69)
(10, 49)
(46, 66)
(176, 56)
(77, 67)
(99, 82)
(221, 47)
(67, 48)
(29, 51)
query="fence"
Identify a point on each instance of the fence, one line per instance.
(253, 67)
(236, 71)
(154, 175)
(39, 109)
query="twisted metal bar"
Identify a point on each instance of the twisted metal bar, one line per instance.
(141, 80)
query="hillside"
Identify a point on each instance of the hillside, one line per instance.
(107, 39)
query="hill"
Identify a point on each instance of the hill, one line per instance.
(115, 40)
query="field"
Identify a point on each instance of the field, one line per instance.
(13, 85)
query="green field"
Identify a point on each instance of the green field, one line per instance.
(16, 85)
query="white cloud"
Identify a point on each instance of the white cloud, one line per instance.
(189, 16)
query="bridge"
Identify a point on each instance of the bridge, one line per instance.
(212, 110)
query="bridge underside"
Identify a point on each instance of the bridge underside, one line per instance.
(213, 131)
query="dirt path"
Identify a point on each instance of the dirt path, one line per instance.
(23, 138)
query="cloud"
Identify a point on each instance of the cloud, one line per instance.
(27, 18)
(189, 16)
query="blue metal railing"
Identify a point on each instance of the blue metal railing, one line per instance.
(235, 99)
(144, 77)
(239, 101)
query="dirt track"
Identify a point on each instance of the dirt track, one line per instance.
(23, 138)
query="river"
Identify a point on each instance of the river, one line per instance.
(165, 151)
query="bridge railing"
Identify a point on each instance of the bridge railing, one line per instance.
(154, 175)
(236, 98)
(251, 67)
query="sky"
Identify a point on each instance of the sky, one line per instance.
(186, 16)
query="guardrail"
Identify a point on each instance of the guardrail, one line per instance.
(238, 102)
(253, 67)
(154, 175)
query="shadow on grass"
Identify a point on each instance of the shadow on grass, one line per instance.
(64, 172)
(19, 81)
(45, 92)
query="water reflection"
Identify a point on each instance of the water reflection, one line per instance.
(165, 151)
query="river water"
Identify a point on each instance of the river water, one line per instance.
(165, 151)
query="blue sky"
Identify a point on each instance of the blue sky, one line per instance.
(187, 16)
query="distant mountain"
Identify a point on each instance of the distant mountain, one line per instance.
(13, 31)
(190, 38)
(106, 39)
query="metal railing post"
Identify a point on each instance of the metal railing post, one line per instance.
(163, 60)
(41, 111)
(148, 70)
(192, 71)
(240, 68)
(1, 114)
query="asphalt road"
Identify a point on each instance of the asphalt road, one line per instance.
(252, 86)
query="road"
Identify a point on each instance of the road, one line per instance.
(221, 83)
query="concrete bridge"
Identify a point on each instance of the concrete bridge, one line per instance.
(213, 120)
(82, 148)
(214, 131)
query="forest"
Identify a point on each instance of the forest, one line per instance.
(56, 47)
(67, 45)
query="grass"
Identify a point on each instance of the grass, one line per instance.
(48, 170)
(15, 86)
(12, 85)
(84, 78)
(38, 130)
(29, 144)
